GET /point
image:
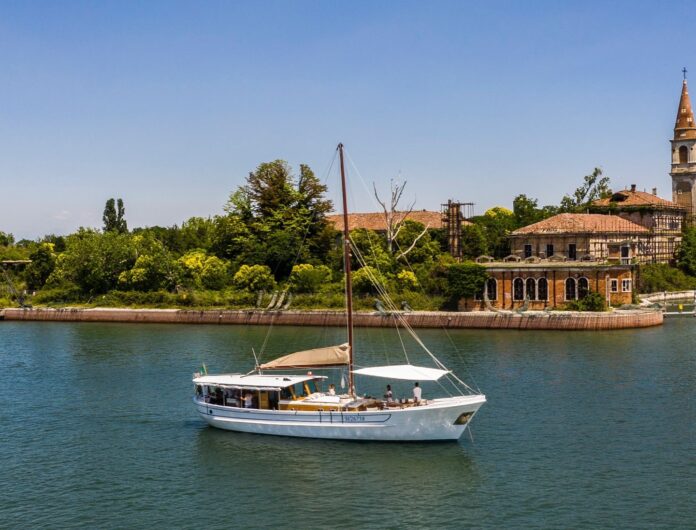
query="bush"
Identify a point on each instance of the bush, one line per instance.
(254, 278)
(464, 280)
(658, 277)
(592, 302)
(407, 280)
(306, 278)
(362, 280)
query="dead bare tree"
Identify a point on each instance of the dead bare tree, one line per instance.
(394, 219)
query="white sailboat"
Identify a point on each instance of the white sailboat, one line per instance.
(298, 405)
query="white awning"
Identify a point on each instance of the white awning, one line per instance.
(317, 358)
(403, 371)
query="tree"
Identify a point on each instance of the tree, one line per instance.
(6, 239)
(594, 187)
(686, 254)
(306, 278)
(394, 220)
(464, 280)
(94, 261)
(473, 241)
(113, 217)
(497, 223)
(43, 262)
(254, 278)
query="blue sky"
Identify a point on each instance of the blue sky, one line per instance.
(170, 104)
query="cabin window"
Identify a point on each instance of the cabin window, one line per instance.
(683, 154)
(542, 289)
(572, 251)
(518, 289)
(570, 292)
(530, 285)
(583, 288)
(614, 285)
(528, 251)
(549, 251)
(626, 286)
(492, 288)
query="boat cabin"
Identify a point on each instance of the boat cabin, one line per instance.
(273, 392)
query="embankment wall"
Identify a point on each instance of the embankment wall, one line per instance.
(557, 320)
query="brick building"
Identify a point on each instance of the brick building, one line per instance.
(541, 285)
(683, 171)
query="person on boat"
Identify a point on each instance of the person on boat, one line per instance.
(332, 389)
(248, 400)
(416, 393)
(389, 396)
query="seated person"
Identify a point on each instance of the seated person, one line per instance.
(332, 389)
(248, 400)
(389, 395)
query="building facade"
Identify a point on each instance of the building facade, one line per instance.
(664, 220)
(584, 237)
(551, 285)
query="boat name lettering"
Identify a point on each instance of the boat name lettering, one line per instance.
(353, 419)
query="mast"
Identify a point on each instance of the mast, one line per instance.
(346, 266)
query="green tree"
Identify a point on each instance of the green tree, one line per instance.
(114, 217)
(686, 254)
(6, 239)
(473, 241)
(464, 280)
(43, 262)
(254, 278)
(497, 223)
(94, 261)
(413, 244)
(306, 278)
(594, 187)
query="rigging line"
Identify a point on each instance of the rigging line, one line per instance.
(447, 334)
(403, 346)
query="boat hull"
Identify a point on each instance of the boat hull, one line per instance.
(440, 419)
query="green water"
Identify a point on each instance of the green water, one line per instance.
(582, 430)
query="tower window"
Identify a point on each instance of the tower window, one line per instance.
(683, 154)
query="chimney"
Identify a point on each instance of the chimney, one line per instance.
(633, 188)
(654, 191)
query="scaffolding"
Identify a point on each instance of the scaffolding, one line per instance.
(453, 215)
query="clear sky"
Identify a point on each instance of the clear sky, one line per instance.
(170, 104)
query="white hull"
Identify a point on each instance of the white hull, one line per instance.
(431, 422)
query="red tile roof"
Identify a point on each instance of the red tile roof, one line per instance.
(375, 221)
(629, 197)
(582, 223)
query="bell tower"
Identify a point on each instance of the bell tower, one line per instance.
(684, 154)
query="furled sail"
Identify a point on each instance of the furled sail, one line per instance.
(316, 358)
(403, 371)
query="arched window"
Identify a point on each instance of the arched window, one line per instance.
(492, 288)
(542, 289)
(570, 292)
(530, 284)
(583, 288)
(683, 154)
(518, 289)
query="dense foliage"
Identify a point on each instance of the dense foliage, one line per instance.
(273, 235)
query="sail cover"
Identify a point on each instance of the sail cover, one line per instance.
(403, 371)
(317, 358)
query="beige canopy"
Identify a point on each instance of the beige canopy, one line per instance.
(317, 358)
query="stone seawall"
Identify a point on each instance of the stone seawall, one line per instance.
(557, 320)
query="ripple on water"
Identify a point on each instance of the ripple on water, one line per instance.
(581, 430)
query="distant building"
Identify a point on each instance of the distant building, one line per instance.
(586, 237)
(683, 171)
(664, 219)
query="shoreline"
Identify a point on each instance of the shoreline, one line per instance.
(532, 320)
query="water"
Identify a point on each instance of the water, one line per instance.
(582, 430)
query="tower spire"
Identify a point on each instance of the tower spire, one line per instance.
(684, 127)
